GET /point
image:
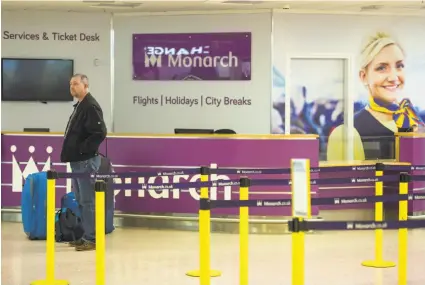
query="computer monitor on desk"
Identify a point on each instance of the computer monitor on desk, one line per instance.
(194, 131)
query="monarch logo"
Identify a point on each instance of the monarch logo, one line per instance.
(418, 197)
(337, 201)
(187, 58)
(189, 61)
(19, 176)
(350, 226)
(418, 168)
(165, 173)
(153, 61)
(259, 203)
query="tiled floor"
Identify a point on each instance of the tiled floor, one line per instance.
(151, 257)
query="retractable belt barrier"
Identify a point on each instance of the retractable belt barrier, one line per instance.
(100, 188)
(300, 202)
(241, 171)
(50, 234)
(301, 223)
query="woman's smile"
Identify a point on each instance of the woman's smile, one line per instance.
(392, 88)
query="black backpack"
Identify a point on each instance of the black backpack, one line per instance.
(68, 226)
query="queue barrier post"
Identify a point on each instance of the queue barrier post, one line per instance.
(379, 261)
(50, 233)
(301, 210)
(100, 189)
(402, 232)
(297, 229)
(204, 271)
(244, 185)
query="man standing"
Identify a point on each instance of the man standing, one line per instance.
(84, 133)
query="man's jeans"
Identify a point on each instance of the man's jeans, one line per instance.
(85, 194)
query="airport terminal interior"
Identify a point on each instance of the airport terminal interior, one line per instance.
(266, 142)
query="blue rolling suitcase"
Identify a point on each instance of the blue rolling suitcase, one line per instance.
(33, 204)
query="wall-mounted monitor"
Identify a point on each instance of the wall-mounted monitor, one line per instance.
(33, 79)
(193, 131)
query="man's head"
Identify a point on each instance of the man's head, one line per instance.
(79, 86)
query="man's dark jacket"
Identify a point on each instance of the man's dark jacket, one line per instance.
(85, 132)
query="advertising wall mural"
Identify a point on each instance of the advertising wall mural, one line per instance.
(389, 67)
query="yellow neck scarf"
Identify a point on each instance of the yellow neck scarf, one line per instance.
(404, 114)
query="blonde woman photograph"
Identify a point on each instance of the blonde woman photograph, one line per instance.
(388, 110)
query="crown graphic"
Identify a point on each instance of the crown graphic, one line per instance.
(19, 175)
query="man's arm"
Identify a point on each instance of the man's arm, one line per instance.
(96, 128)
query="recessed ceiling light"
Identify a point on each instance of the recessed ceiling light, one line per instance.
(113, 4)
(242, 2)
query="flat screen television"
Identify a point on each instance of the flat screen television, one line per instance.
(33, 79)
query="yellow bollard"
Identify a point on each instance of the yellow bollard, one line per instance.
(50, 232)
(100, 189)
(402, 233)
(298, 244)
(243, 231)
(204, 236)
(295, 226)
(379, 262)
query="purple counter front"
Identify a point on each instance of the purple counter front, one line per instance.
(27, 153)
(23, 154)
(411, 148)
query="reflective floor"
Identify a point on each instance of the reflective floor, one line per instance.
(152, 257)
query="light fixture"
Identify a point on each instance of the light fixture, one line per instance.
(112, 4)
(241, 2)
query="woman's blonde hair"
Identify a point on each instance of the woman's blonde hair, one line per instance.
(373, 46)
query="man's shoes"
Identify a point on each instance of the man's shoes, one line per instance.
(85, 246)
(75, 243)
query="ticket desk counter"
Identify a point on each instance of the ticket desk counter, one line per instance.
(410, 148)
(24, 153)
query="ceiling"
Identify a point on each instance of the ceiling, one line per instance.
(157, 6)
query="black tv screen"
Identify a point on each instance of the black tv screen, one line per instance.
(44, 80)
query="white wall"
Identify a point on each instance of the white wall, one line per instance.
(129, 117)
(17, 115)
